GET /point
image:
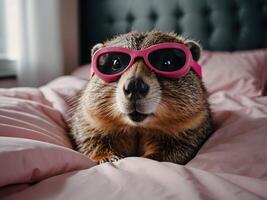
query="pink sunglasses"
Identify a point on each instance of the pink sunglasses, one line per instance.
(167, 59)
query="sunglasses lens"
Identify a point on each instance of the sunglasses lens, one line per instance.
(167, 60)
(113, 62)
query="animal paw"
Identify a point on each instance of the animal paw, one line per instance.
(113, 158)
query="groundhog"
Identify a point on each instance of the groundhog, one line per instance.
(143, 113)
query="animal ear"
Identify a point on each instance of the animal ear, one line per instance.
(96, 47)
(195, 49)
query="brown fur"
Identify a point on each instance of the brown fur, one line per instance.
(178, 128)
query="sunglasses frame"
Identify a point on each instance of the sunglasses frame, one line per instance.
(144, 53)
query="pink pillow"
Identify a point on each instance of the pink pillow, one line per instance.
(31, 114)
(26, 113)
(40, 113)
(28, 161)
(237, 73)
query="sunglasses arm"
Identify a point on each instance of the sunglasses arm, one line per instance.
(196, 67)
(91, 73)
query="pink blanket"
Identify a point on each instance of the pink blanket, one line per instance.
(37, 160)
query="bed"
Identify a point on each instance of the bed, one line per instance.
(37, 158)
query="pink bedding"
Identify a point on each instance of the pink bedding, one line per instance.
(37, 160)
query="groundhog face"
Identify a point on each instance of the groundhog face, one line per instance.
(142, 98)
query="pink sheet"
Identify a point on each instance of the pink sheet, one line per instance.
(231, 165)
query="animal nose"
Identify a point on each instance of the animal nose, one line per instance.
(135, 88)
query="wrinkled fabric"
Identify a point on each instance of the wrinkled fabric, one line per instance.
(37, 161)
(236, 73)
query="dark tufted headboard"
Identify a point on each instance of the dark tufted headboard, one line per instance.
(224, 25)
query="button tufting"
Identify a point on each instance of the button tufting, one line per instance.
(153, 15)
(217, 24)
(206, 11)
(209, 29)
(178, 28)
(234, 7)
(265, 23)
(237, 26)
(209, 26)
(178, 13)
(110, 19)
(261, 3)
(129, 18)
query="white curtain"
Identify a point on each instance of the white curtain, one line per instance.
(49, 40)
